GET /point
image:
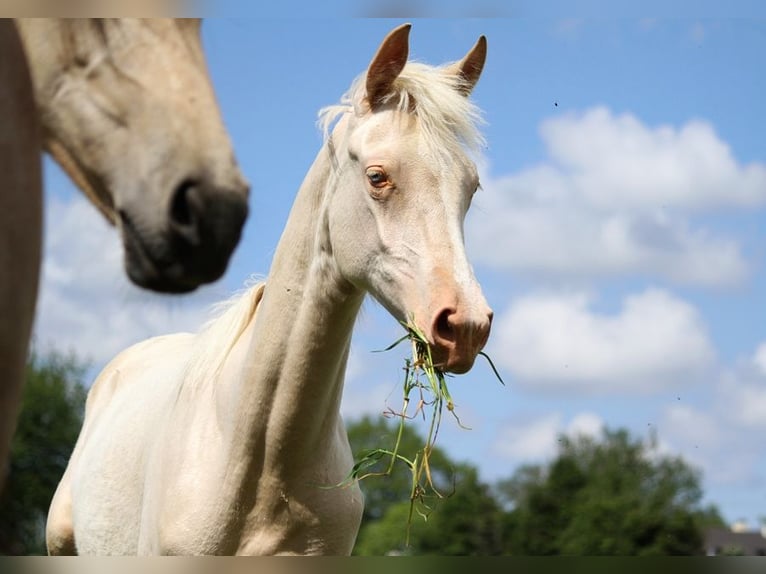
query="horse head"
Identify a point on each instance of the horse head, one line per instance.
(405, 183)
(128, 110)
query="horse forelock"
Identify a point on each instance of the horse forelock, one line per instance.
(448, 120)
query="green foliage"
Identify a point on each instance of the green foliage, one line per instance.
(469, 522)
(614, 497)
(48, 425)
(386, 535)
(383, 491)
(465, 520)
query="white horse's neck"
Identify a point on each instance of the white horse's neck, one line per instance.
(303, 327)
(281, 386)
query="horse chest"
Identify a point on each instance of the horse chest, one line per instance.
(291, 521)
(305, 520)
(263, 511)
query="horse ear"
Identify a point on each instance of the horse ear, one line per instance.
(387, 64)
(470, 67)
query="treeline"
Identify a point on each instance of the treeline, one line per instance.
(614, 495)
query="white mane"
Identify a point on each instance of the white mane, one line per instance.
(215, 340)
(448, 119)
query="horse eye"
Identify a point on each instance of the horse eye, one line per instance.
(376, 177)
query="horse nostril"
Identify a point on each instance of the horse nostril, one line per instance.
(179, 208)
(444, 332)
(183, 211)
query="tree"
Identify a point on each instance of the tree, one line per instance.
(465, 520)
(49, 422)
(380, 492)
(613, 497)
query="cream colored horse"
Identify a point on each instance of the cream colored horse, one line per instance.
(126, 107)
(128, 111)
(222, 442)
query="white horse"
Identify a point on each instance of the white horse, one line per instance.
(127, 109)
(225, 442)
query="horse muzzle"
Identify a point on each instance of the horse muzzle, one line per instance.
(457, 336)
(202, 229)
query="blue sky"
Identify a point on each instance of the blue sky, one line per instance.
(619, 235)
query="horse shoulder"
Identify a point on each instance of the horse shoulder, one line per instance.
(121, 371)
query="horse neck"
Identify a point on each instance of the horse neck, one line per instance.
(288, 387)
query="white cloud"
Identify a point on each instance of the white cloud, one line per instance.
(86, 303)
(721, 434)
(759, 358)
(550, 238)
(747, 402)
(530, 440)
(616, 197)
(365, 392)
(615, 161)
(585, 424)
(690, 425)
(742, 392)
(554, 341)
(360, 399)
(534, 440)
(710, 443)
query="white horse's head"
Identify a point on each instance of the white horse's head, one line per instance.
(128, 110)
(404, 184)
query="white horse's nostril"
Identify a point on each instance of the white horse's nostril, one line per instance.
(444, 328)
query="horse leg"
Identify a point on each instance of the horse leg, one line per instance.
(20, 226)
